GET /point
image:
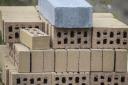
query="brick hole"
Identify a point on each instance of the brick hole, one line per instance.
(79, 40)
(72, 42)
(59, 34)
(30, 27)
(70, 78)
(122, 79)
(118, 41)
(102, 77)
(85, 42)
(109, 79)
(17, 28)
(37, 27)
(124, 34)
(65, 41)
(10, 37)
(79, 33)
(116, 78)
(72, 34)
(24, 84)
(77, 79)
(65, 33)
(18, 81)
(111, 42)
(32, 81)
(59, 42)
(16, 35)
(70, 84)
(25, 79)
(111, 34)
(84, 78)
(23, 27)
(56, 84)
(124, 43)
(115, 83)
(102, 83)
(105, 41)
(95, 79)
(57, 78)
(98, 34)
(118, 33)
(10, 29)
(98, 42)
(63, 80)
(38, 79)
(45, 81)
(85, 34)
(83, 84)
(105, 33)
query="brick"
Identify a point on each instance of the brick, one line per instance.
(60, 60)
(96, 59)
(12, 16)
(120, 78)
(121, 60)
(29, 78)
(101, 78)
(37, 60)
(84, 60)
(108, 55)
(6, 66)
(22, 56)
(109, 33)
(49, 60)
(73, 60)
(68, 38)
(34, 39)
(53, 10)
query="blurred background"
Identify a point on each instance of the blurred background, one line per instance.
(118, 7)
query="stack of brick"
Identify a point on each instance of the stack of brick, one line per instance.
(67, 49)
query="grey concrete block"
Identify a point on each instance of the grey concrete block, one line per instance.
(67, 14)
(108, 59)
(96, 59)
(121, 60)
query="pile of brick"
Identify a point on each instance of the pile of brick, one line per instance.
(61, 42)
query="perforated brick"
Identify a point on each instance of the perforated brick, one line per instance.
(37, 61)
(108, 59)
(22, 56)
(96, 59)
(34, 38)
(109, 33)
(29, 78)
(84, 60)
(73, 60)
(68, 38)
(61, 60)
(121, 60)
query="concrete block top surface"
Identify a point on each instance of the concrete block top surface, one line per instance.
(67, 13)
(20, 47)
(103, 15)
(69, 3)
(108, 23)
(34, 32)
(121, 50)
(19, 12)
